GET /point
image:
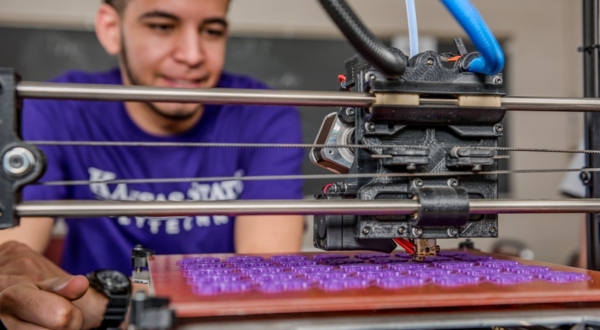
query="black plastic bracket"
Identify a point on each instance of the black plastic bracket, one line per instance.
(442, 206)
(21, 163)
(151, 313)
(139, 257)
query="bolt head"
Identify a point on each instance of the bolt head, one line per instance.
(453, 183)
(417, 231)
(418, 183)
(18, 161)
(493, 230)
(498, 128)
(366, 230)
(452, 231)
(585, 177)
(350, 111)
(430, 61)
(498, 81)
(370, 127)
(401, 230)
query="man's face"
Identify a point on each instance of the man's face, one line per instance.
(174, 43)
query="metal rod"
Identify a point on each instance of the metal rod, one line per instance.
(88, 209)
(591, 73)
(186, 95)
(161, 209)
(268, 97)
(550, 104)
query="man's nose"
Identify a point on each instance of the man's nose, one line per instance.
(190, 49)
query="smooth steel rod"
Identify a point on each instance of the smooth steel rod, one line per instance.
(86, 209)
(187, 95)
(267, 97)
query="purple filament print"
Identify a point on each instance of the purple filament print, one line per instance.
(310, 269)
(455, 280)
(509, 279)
(334, 274)
(360, 267)
(479, 271)
(530, 270)
(201, 260)
(285, 286)
(223, 287)
(244, 259)
(454, 265)
(338, 272)
(288, 258)
(503, 264)
(343, 284)
(563, 277)
(429, 272)
(399, 282)
(374, 274)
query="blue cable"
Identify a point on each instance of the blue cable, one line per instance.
(491, 60)
(413, 30)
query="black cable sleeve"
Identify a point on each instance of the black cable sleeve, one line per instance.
(391, 64)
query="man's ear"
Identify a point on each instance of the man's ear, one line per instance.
(108, 29)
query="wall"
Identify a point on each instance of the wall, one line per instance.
(541, 35)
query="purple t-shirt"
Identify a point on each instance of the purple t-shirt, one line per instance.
(107, 242)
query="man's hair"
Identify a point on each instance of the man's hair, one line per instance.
(119, 5)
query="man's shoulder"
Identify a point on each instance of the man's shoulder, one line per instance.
(111, 76)
(233, 80)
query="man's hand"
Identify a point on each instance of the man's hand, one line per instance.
(47, 304)
(21, 265)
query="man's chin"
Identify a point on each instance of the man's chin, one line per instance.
(174, 113)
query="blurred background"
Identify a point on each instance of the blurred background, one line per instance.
(292, 44)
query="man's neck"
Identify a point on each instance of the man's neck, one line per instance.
(153, 123)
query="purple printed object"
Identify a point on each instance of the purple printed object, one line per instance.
(338, 272)
(399, 282)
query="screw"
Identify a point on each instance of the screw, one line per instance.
(452, 231)
(372, 77)
(453, 183)
(498, 80)
(418, 183)
(350, 111)
(417, 231)
(493, 230)
(401, 230)
(585, 177)
(370, 127)
(366, 230)
(499, 128)
(429, 61)
(18, 161)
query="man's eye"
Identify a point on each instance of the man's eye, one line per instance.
(214, 32)
(161, 27)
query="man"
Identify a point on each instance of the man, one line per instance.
(164, 43)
